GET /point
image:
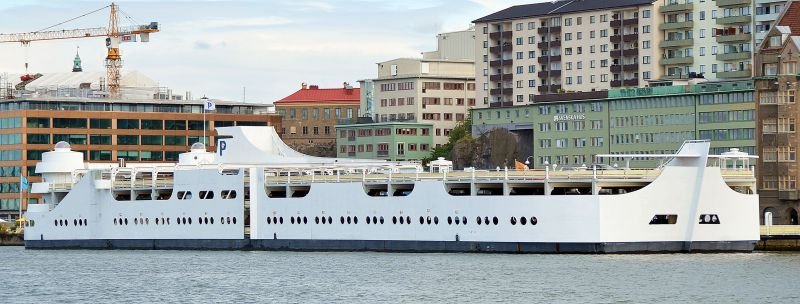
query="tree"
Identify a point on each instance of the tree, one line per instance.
(462, 132)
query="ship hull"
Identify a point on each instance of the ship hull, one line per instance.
(398, 246)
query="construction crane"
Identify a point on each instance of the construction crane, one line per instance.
(114, 36)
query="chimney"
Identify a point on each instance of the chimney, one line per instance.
(304, 86)
(313, 87)
(347, 86)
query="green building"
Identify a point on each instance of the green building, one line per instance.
(394, 141)
(570, 129)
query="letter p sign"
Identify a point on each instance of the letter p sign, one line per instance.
(222, 146)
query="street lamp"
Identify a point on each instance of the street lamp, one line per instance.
(527, 160)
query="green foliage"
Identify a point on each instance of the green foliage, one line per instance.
(462, 131)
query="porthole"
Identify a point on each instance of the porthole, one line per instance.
(394, 220)
(449, 220)
(457, 220)
(355, 220)
(211, 219)
(298, 220)
(408, 219)
(323, 220)
(369, 220)
(534, 221)
(478, 220)
(428, 220)
(421, 220)
(348, 220)
(147, 221)
(190, 221)
(436, 220)
(341, 219)
(523, 220)
(513, 220)
(74, 222)
(156, 221)
(55, 222)
(66, 222)
(269, 220)
(205, 219)
(375, 220)
(126, 221)
(291, 220)
(381, 220)
(486, 220)
(464, 219)
(274, 220)
(402, 220)
(316, 219)
(495, 220)
(330, 220)
(305, 220)
(234, 220)
(135, 221)
(115, 222)
(167, 221)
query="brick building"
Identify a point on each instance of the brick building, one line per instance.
(310, 114)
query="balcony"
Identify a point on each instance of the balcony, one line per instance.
(631, 82)
(503, 77)
(498, 35)
(552, 73)
(734, 56)
(500, 49)
(506, 91)
(553, 88)
(670, 8)
(546, 59)
(616, 68)
(630, 52)
(677, 60)
(677, 25)
(501, 104)
(549, 44)
(625, 38)
(677, 43)
(616, 83)
(499, 63)
(722, 3)
(620, 23)
(552, 29)
(734, 38)
(735, 74)
(633, 67)
(734, 20)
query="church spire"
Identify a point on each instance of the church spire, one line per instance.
(76, 64)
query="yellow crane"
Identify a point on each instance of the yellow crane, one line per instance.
(114, 36)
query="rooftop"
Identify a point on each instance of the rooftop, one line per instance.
(311, 94)
(791, 17)
(558, 7)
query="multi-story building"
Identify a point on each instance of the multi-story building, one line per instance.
(583, 46)
(570, 129)
(394, 141)
(777, 86)
(437, 89)
(766, 13)
(310, 114)
(105, 131)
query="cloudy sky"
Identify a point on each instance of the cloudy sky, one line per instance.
(217, 48)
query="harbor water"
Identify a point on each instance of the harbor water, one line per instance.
(118, 276)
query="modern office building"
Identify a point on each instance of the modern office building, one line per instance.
(777, 86)
(437, 89)
(105, 131)
(570, 129)
(583, 46)
(310, 114)
(394, 141)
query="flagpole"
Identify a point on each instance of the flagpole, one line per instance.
(21, 188)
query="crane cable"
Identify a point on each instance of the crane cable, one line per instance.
(81, 16)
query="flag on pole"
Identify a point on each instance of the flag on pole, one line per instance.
(23, 183)
(210, 105)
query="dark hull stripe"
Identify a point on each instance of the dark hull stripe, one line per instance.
(398, 246)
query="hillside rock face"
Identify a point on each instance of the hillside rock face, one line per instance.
(496, 148)
(324, 149)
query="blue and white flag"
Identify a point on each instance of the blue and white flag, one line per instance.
(209, 105)
(23, 183)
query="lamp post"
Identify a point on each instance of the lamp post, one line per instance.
(527, 161)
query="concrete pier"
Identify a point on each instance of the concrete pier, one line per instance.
(779, 238)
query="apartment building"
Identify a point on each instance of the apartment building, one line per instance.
(107, 130)
(392, 141)
(582, 46)
(777, 86)
(437, 89)
(309, 115)
(766, 13)
(571, 128)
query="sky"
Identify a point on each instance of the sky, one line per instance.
(256, 51)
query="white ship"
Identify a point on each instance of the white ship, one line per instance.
(255, 193)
